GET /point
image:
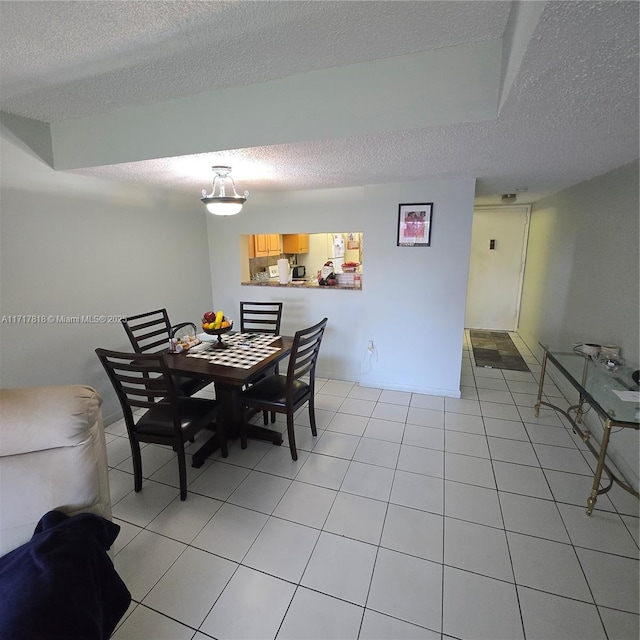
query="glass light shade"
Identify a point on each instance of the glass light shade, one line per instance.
(224, 206)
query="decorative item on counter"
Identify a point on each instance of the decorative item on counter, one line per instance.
(346, 279)
(261, 276)
(609, 351)
(588, 349)
(350, 267)
(327, 275)
(329, 281)
(327, 269)
(612, 364)
(610, 358)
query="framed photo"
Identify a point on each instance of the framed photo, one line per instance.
(414, 224)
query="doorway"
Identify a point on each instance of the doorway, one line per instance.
(496, 267)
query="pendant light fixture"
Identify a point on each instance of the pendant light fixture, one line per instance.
(218, 202)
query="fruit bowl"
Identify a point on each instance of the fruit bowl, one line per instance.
(219, 332)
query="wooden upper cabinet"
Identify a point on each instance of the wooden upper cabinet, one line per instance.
(265, 245)
(295, 243)
(273, 243)
(261, 246)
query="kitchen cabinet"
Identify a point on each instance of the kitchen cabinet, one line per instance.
(295, 243)
(264, 245)
(273, 244)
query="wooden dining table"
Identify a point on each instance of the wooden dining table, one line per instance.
(229, 381)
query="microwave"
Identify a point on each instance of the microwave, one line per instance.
(298, 272)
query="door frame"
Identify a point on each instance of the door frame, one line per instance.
(523, 254)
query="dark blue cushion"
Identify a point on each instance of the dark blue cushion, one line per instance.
(62, 583)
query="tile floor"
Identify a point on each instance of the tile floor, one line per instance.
(409, 516)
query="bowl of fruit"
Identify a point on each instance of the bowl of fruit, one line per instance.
(350, 267)
(215, 323)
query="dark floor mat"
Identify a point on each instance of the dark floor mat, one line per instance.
(495, 349)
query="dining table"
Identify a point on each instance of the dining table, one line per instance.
(240, 362)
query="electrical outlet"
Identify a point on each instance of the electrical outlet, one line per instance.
(370, 347)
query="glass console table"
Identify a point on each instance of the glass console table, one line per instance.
(595, 386)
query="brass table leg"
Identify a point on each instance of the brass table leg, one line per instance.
(580, 412)
(591, 501)
(540, 386)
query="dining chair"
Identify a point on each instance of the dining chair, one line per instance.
(286, 394)
(150, 332)
(143, 381)
(262, 317)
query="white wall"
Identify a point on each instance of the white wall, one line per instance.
(582, 277)
(73, 246)
(412, 300)
(77, 246)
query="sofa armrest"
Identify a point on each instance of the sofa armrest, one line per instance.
(52, 456)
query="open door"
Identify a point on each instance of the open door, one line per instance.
(496, 267)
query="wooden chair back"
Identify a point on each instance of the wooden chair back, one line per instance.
(261, 317)
(148, 332)
(304, 354)
(141, 381)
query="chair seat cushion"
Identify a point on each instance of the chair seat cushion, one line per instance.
(193, 413)
(272, 391)
(273, 370)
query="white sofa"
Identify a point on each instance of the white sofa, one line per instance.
(52, 456)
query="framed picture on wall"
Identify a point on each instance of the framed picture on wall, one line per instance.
(414, 224)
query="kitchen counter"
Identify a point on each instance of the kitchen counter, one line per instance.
(298, 284)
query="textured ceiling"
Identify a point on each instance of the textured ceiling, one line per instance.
(570, 114)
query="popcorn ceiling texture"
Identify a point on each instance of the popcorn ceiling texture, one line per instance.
(570, 114)
(114, 54)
